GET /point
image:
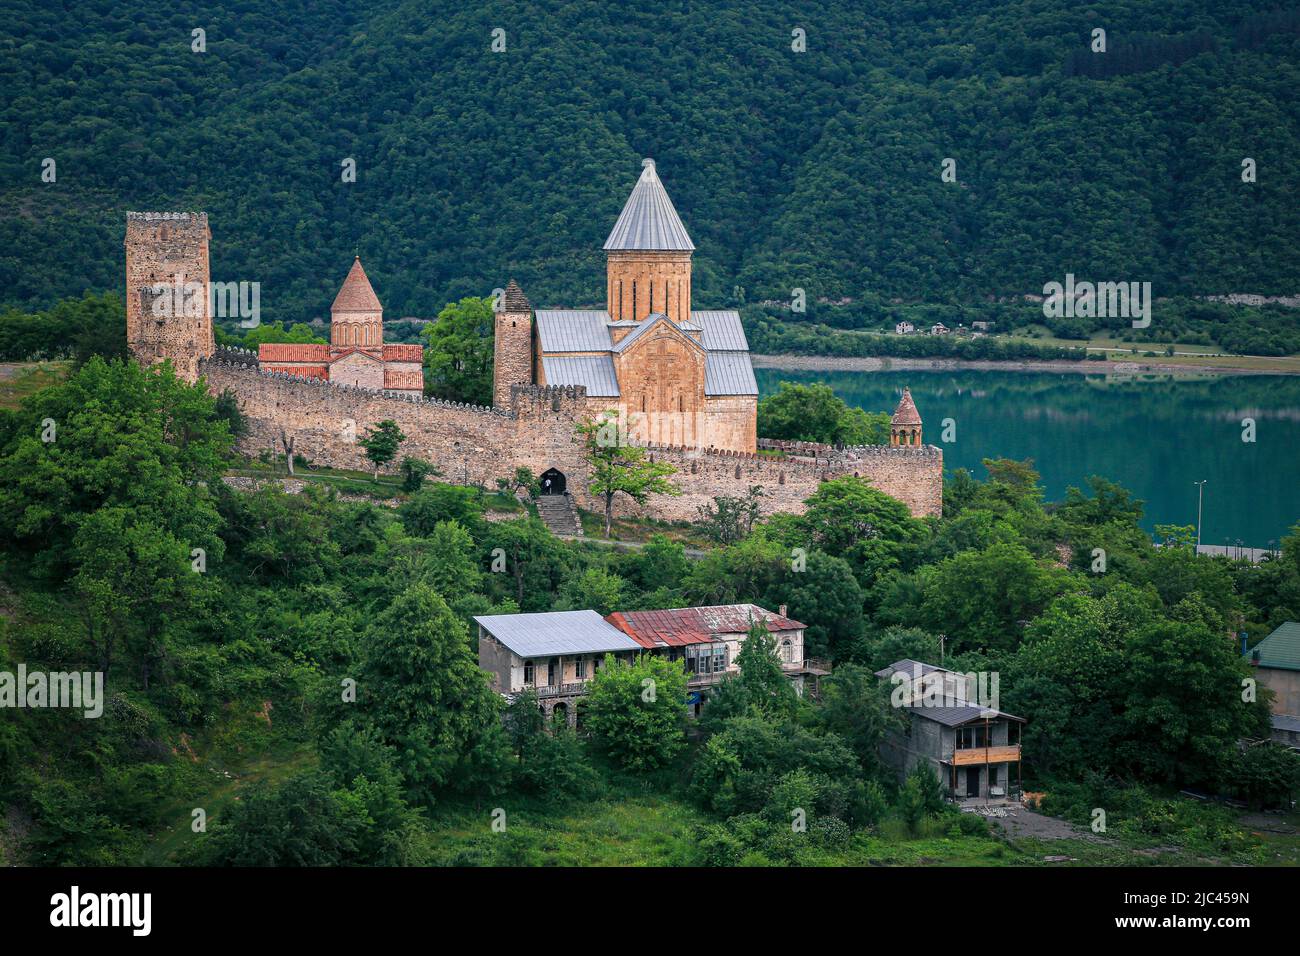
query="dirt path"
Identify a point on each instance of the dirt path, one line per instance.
(1023, 822)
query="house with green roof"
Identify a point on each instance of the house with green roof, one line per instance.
(1276, 660)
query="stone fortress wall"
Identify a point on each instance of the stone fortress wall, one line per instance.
(476, 445)
(530, 426)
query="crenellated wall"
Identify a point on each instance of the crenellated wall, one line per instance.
(474, 444)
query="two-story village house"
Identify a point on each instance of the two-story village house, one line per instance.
(555, 653)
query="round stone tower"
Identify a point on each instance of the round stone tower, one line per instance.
(905, 426)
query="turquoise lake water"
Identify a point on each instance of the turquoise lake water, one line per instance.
(1155, 435)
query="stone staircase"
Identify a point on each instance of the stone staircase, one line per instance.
(559, 513)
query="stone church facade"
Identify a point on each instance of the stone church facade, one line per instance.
(674, 375)
(679, 379)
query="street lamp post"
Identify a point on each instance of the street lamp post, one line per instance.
(1200, 491)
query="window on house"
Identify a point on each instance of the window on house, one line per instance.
(550, 672)
(580, 668)
(719, 658)
(993, 775)
(529, 673)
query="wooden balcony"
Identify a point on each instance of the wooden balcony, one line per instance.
(560, 690)
(809, 665)
(979, 755)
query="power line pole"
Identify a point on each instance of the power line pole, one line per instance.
(1200, 491)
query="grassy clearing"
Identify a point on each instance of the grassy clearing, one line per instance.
(228, 779)
(19, 380)
(636, 831)
(639, 530)
(363, 483)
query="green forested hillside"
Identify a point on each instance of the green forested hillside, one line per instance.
(819, 170)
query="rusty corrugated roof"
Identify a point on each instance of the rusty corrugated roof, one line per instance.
(677, 627)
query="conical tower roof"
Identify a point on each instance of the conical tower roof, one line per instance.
(906, 413)
(514, 299)
(649, 221)
(356, 294)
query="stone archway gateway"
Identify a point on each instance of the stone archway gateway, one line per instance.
(552, 481)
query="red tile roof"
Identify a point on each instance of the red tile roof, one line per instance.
(290, 352)
(906, 413)
(403, 353)
(301, 371)
(368, 351)
(399, 379)
(677, 627)
(357, 295)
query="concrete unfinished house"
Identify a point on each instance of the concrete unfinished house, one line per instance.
(973, 750)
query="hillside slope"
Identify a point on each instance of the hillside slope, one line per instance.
(819, 169)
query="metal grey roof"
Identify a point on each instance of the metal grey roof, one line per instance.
(573, 330)
(729, 373)
(956, 716)
(556, 632)
(722, 330)
(648, 220)
(650, 322)
(1286, 722)
(727, 370)
(594, 371)
(911, 668)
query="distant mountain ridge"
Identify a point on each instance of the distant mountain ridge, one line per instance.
(817, 170)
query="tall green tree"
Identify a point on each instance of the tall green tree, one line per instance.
(458, 352)
(113, 435)
(636, 713)
(381, 443)
(423, 690)
(620, 468)
(815, 413)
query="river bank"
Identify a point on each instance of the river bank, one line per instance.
(1249, 365)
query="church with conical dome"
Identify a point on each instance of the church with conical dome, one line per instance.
(356, 354)
(676, 376)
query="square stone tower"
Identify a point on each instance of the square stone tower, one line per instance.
(168, 308)
(512, 359)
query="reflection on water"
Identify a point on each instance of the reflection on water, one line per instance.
(1154, 435)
